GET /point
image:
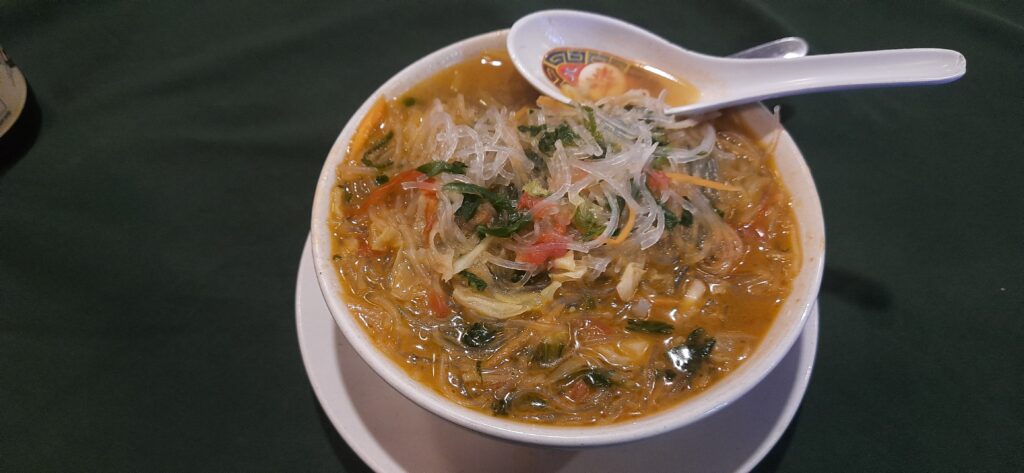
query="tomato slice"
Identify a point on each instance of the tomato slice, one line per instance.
(548, 246)
(438, 303)
(430, 213)
(526, 201)
(657, 180)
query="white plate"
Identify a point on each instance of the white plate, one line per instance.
(392, 434)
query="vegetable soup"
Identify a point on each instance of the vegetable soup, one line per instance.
(559, 264)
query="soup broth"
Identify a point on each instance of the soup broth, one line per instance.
(588, 75)
(556, 264)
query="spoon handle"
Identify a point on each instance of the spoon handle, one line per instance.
(750, 80)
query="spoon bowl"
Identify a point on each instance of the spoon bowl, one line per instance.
(719, 82)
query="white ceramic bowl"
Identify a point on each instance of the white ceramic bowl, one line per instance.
(775, 345)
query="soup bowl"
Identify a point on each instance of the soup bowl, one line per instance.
(775, 344)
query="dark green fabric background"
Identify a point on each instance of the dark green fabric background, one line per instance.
(150, 236)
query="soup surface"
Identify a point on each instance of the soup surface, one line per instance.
(558, 264)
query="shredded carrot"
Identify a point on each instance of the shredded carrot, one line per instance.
(688, 179)
(626, 229)
(371, 120)
(383, 191)
(430, 213)
(520, 116)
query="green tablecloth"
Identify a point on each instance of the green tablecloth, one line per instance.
(150, 236)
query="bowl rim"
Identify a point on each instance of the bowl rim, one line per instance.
(721, 394)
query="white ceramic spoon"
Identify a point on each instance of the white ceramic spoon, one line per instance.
(721, 81)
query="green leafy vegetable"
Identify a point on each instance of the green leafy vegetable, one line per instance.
(474, 281)
(381, 179)
(586, 220)
(375, 149)
(671, 220)
(532, 130)
(409, 101)
(477, 335)
(648, 326)
(594, 377)
(508, 220)
(691, 354)
(548, 353)
(659, 163)
(686, 218)
(591, 124)
(563, 133)
(468, 208)
(500, 406)
(498, 201)
(507, 226)
(434, 168)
